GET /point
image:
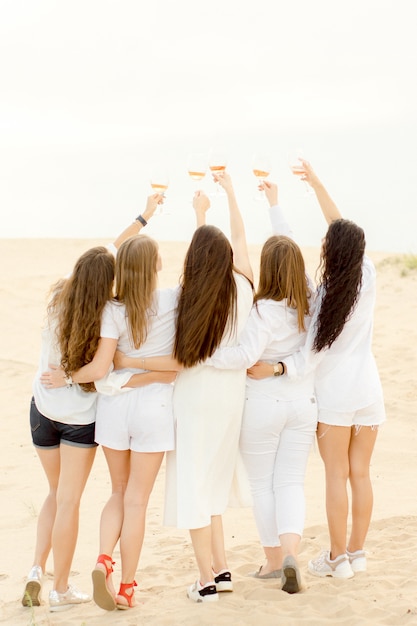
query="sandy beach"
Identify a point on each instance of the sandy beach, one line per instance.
(385, 595)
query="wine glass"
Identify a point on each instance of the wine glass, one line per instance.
(197, 167)
(261, 167)
(294, 161)
(159, 180)
(217, 163)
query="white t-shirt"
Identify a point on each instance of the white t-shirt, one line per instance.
(69, 405)
(159, 340)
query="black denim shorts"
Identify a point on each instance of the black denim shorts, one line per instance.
(49, 434)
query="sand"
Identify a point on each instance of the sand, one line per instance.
(385, 594)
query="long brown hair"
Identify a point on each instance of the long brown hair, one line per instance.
(207, 303)
(77, 304)
(282, 276)
(341, 278)
(136, 281)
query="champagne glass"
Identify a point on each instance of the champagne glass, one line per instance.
(217, 163)
(197, 167)
(261, 167)
(294, 161)
(159, 180)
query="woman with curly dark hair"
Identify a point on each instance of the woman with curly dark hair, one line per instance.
(347, 384)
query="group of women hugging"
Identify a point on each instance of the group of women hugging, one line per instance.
(210, 373)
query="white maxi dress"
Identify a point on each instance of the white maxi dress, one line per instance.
(208, 407)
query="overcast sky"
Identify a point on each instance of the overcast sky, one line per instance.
(93, 92)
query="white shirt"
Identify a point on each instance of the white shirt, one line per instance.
(270, 334)
(69, 405)
(159, 340)
(346, 376)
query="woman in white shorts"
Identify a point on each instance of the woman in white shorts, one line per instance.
(347, 384)
(134, 426)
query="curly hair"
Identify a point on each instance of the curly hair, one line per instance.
(282, 276)
(207, 302)
(77, 305)
(340, 281)
(136, 281)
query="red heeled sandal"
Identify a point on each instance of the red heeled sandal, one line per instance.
(128, 597)
(102, 595)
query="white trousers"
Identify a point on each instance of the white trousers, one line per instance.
(275, 442)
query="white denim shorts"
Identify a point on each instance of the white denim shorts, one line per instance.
(372, 415)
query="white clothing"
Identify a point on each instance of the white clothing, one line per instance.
(208, 405)
(142, 419)
(68, 405)
(275, 443)
(271, 334)
(280, 415)
(346, 375)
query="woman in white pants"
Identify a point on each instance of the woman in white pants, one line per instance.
(280, 417)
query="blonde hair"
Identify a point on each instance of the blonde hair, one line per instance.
(135, 283)
(283, 276)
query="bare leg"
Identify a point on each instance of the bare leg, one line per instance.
(144, 468)
(360, 452)
(202, 542)
(290, 544)
(333, 444)
(51, 463)
(111, 521)
(76, 465)
(217, 544)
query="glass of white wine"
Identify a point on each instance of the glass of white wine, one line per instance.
(159, 180)
(197, 167)
(217, 161)
(295, 158)
(261, 167)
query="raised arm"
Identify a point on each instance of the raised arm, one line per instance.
(327, 205)
(141, 220)
(279, 222)
(237, 227)
(201, 204)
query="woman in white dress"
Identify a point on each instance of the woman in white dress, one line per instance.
(215, 300)
(347, 385)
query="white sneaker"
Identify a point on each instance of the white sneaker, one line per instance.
(63, 601)
(323, 565)
(198, 593)
(32, 593)
(357, 560)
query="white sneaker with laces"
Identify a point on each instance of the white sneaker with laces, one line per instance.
(357, 560)
(32, 593)
(200, 593)
(63, 601)
(323, 565)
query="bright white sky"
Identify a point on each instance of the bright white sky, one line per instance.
(94, 92)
